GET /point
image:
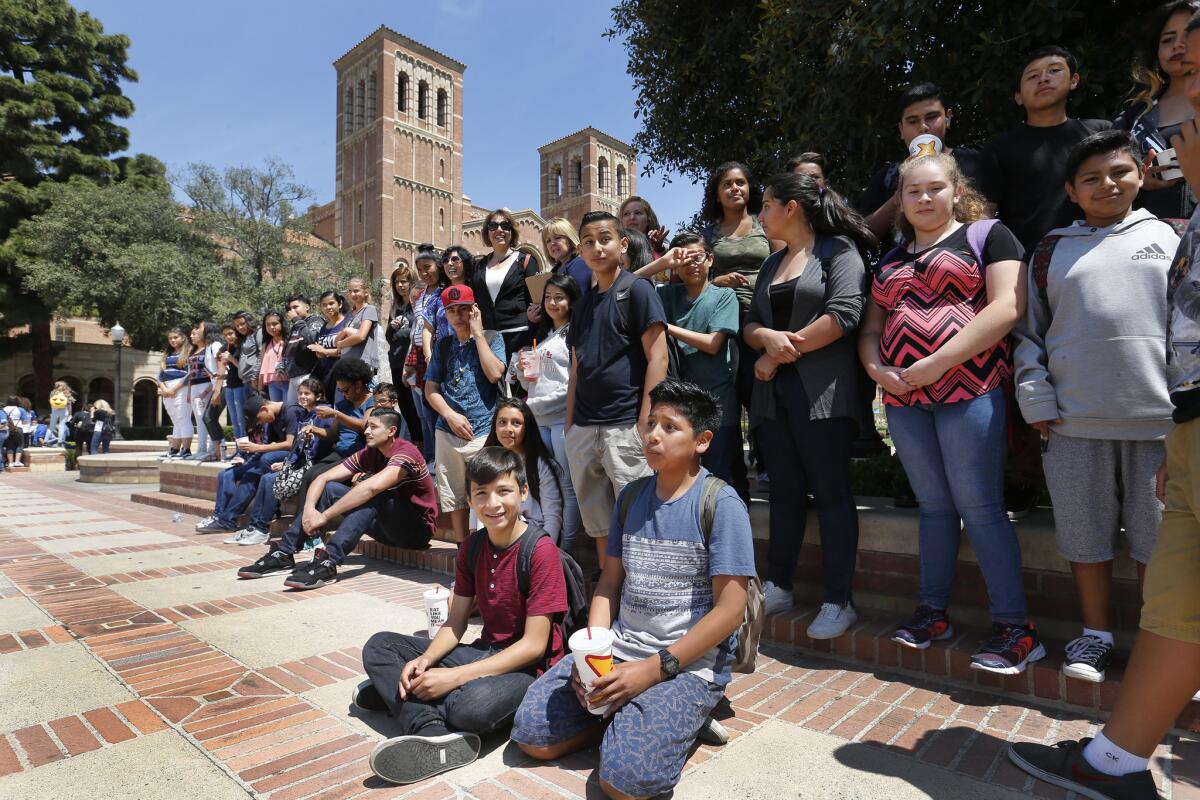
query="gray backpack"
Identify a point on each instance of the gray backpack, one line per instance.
(750, 631)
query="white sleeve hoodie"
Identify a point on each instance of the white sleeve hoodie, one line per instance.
(548, 394)
(1091, 350)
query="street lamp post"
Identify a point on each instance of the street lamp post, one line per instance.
(118, 338)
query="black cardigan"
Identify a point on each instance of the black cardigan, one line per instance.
(512, 301)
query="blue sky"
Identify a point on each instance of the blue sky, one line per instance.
(232, 83)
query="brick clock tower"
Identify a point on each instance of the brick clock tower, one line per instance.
(586, 171)
(399, 150)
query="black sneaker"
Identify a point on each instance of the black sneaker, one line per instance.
(926, 625)
(408, 759)
(1063, 765)
(367, 698)
(1009, 650)
(1087, 658)
(272, 563)
(321, 571)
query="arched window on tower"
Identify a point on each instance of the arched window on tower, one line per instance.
(402, 92)
(359, 105)
(442, 102)
(423, 100)
(575, 177)
(442, 219)
(602, 174)
(372, 108)
(622, 181)
(348, 111)
(441, 169)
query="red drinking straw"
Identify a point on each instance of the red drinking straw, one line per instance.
(589, 629)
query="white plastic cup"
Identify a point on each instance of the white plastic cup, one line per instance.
(531, 365)
(921, 145)
(437, 608)
(592, 650)
(1167, 158)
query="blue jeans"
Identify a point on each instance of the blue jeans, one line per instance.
(805, 455)
(481, 705)
(3, 436)
(389, 520)
(235, 409)
(953, 454)
(264, 506)
(101, 439)
(237, 485)
(429, 418)
(552, 437)
(277, 391)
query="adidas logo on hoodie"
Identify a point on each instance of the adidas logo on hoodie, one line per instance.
(1151, 251)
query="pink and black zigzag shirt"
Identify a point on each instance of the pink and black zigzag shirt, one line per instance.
(929, 297)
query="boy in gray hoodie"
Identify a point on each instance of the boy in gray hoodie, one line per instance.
(1091, 377)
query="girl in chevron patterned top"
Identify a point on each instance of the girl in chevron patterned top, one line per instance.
(941, 307)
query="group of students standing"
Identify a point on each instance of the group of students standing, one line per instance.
(1027, 280)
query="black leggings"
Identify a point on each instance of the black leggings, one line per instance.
(212, 423)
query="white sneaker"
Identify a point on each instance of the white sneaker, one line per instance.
(252, 535)
(247, 535)
(713, 732)
(832, 621)
(204, 523)
(778, 599)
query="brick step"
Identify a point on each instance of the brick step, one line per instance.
(868, 643)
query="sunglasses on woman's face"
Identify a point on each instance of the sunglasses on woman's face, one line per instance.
(453, 260)
(499, 226)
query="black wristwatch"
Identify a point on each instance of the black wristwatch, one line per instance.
(668, 664)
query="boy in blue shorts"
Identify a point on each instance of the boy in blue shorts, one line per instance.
(679, 604)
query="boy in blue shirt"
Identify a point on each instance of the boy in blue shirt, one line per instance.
(460, 387)
(673, 605)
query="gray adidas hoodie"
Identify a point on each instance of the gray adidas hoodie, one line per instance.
(1091, 349)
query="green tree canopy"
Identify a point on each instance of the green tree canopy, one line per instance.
(125, 253)
(757, 82)
(60, 97)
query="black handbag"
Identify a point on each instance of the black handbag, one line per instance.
(292, 475)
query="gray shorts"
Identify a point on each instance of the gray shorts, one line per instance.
(1099, 487)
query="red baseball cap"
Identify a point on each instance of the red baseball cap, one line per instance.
(457, 296)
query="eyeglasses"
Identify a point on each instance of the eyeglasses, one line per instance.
(453, 260)
(499, 226)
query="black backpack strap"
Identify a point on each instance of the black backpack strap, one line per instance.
(528, 544)
(475, 547)
(1039, 263)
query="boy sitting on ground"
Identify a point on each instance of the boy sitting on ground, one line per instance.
(435, 687)
(679, 606)
(393, 500)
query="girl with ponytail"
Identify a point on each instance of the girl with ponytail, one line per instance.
(807, 302)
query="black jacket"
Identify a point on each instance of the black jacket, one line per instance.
(512, 301)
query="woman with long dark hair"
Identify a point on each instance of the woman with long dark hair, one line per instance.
(546, 386)
(202, 368)
(1160, 104)
(272, 381)
(807, 304)
(499, 281)
(173, 388)
(399, 334)
(457, 267)
(333, 307)
(935, 338)
(514, 428)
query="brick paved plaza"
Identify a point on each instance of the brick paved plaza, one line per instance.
(134, 665)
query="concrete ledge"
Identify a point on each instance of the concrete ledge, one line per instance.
(44, 459)
(138, 446)
(191, 478)
(139, 468)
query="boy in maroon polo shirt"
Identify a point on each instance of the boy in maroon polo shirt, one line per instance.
(442, 693)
